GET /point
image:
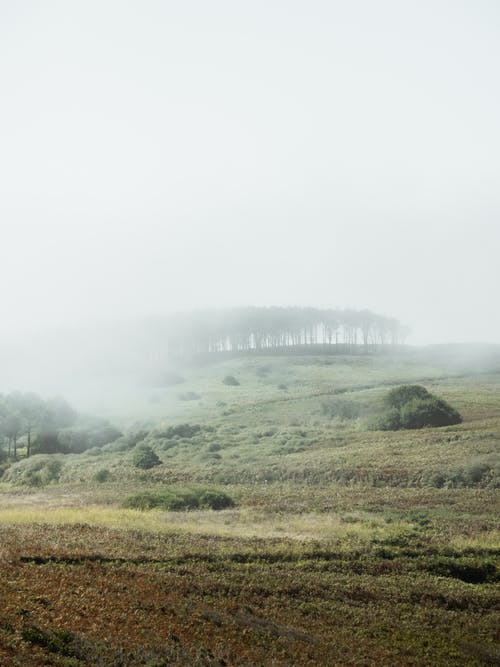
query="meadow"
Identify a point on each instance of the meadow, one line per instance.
(343, 545)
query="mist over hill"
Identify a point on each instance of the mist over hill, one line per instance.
(103, 363)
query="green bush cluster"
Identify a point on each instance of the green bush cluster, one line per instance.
(178, 500)
(413, 407)
(144, 457)
(102, 475)
(38, 470)
(181, 430)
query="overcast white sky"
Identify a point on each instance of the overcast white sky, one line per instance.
(157, 155)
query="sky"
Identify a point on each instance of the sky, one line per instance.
(161, 155)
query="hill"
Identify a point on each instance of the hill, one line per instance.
(345, 546)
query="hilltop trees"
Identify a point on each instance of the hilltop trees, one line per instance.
(275, 328)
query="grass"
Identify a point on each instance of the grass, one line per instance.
(345, 546)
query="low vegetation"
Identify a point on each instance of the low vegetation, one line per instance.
(264, 525)
(412, 407)
(180, 499)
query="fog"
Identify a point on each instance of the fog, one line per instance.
(161, 156)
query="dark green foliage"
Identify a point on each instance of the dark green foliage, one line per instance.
(181, 430)
(102, 475)
(214, 500)
(179, 500)
(56, 641)
(144, 457)
(413, 407)
(389, 420)
(35, 471)
(428, 412)
(468, 570)
(230, 381)
(399, 396)
(47, 442)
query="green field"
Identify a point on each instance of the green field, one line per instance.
(345, 545)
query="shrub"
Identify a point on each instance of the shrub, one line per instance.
(36, 471)
(214, 500)
(413, 407)
(102, 475)
(428, 412)
(181, 430)
(47, 442)
(399, 396)
(389, 420)
(144, 457)
(179, 500)
(230, 381)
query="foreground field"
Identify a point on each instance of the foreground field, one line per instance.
(378, 576)
(345, 546)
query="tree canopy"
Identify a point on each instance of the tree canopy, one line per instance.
(47, 426)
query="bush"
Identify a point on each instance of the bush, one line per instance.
(181, 430)
(389, 420)
(230, 381)
(102, 475)
(35, 471)
(433, 411)
(399, 396)
(47, 442)
(413, 407)
(179, 500)
(144, 457)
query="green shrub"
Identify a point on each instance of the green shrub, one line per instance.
(102, 475)
(181, 430)
(433, 411)
(412, 407)
(144, 457)
(179, 500)
(399, 396)
(38, 470)
(389, 420)
(230, 381)
(214, 500)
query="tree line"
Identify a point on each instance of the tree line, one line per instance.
(275, 328)
(36, 425)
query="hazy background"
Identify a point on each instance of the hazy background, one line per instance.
(165, 155)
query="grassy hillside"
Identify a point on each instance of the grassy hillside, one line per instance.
(345, 546)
